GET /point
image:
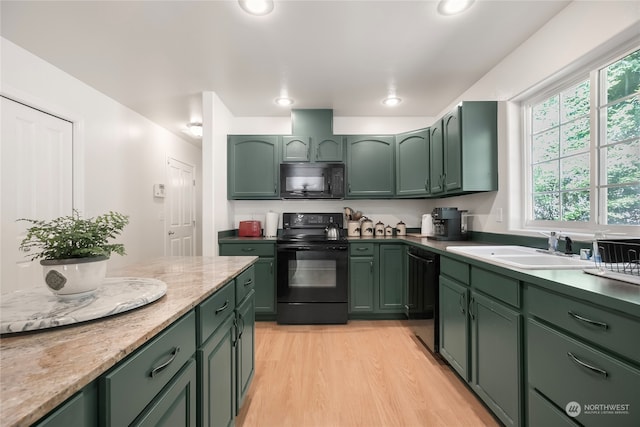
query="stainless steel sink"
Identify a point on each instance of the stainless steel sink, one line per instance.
(522, 257)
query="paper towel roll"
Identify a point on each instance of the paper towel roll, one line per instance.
(271, 227)
(427, 224)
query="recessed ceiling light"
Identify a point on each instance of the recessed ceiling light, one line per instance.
(195, 129)
(257, 7)
(284, 102)
(453, 7)
(391, 101)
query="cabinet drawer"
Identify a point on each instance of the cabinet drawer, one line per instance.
(542, 413)
(608, 329)
(501, 287)
(245, 282)
(455, 269)
(213, 311)
(130, 387)
(566, 370)
(248, 249)
(361, 249)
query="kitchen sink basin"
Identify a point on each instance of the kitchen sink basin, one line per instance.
(522, 257)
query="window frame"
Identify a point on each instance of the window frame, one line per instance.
(591, 72)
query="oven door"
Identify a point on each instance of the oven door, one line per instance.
(312, 272)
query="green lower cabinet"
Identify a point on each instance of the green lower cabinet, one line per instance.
(543, 413)
(361, 281)
(454, 326)
(391, 278)
(496, 340)
(245, 347)
(265, 270)
(216, 363)
(592, 387)
(265, 273)
(176, 404)
(80, 410)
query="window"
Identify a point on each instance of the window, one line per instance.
(583, 149)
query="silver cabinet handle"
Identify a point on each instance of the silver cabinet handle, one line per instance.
(248, 282)
(587, 366)
(471, 309)
(589, 321)
(371, 266)
(155, 371)
(462, 303)
(248, 249)
(223, 308)
(235, 332)
(362, 249)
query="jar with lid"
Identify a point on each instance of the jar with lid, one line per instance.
(366, 228)
(379, 229)
(388, 231)
(401, 229)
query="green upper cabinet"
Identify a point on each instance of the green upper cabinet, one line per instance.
(313, 149)
(370, 167)
(328, 148)
(253, 167)
(296, 148)
(436, 159)
(412, 164)
(464, 150)
(452, 150)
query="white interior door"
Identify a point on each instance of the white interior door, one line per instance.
(36, 155)
(180, 209)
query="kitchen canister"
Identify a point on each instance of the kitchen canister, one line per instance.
(401, 229)
(427, 224)
(388, 231)
(271, 227)
(366, 228)
(379, 230)
(353, 228)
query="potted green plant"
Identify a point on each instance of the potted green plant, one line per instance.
(74, 250)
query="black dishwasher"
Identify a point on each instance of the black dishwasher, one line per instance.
(421, 308)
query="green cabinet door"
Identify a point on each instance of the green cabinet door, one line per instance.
(452, 150)
(436, 159)
(265, 271)
(391, 285)
(412, 164)
(175, 406)
(245, 347)
(454, 327)
(370, 167)
(80, 410)
(496, 342)
(253, 167)
(361, 281)
(328, 149)
(216, 370)
(312, 149)
(296, 148)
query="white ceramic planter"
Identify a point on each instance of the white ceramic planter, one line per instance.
(74, 277)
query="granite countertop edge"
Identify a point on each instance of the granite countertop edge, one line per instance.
(41, 369)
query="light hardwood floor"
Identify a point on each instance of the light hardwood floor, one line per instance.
(361, 374)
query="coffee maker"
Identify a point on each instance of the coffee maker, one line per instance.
(447, 224)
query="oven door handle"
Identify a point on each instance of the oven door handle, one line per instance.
(294, 248)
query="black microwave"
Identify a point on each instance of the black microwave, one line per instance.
(312, 180)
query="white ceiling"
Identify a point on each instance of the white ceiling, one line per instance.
(156, 57)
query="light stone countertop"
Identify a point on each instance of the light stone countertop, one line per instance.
(40, 370)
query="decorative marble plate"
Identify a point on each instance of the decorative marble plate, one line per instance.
(34, 309)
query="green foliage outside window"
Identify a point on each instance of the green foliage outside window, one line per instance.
(560, 149)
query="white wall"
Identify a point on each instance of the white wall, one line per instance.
(121, 154)
(578, 35)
